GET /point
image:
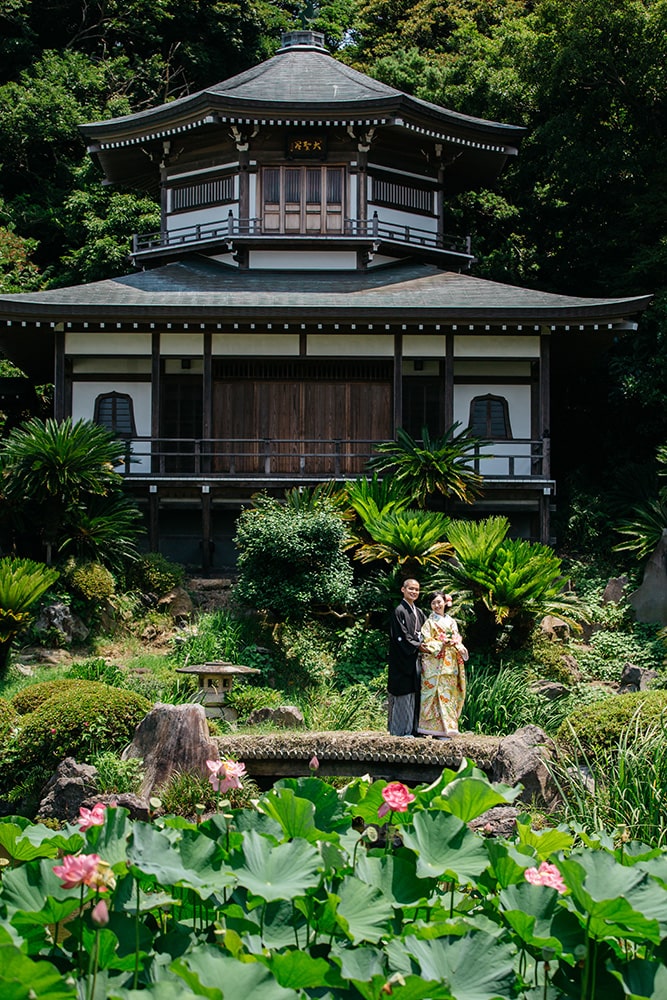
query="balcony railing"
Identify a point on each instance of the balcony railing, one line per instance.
(266, 458)
(226, 230)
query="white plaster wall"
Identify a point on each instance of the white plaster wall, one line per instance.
(84, 395)
(302, 260)
(111, 366)
(350, 346)
(518, 405)
(393, 216)
(106, 342)
(212, 214)
(185, 344)
(261, 344)
(418, 346)
(496, 346)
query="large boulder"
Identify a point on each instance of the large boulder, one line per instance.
(285, 716)
(520, 759)
(636, 678)
(650, 599)
(66, 791)
(58, 618)
(171, 738)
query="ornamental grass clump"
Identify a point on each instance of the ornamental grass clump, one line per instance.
(296, 898)
(599, 727)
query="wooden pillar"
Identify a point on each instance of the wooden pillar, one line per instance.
(153, 519)
(207, 402)
(545, 398)
(155, 399)
(60, 385)
(449, 379)
(398, 381)
(206, 528)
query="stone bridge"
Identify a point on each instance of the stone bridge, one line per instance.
(409, 759)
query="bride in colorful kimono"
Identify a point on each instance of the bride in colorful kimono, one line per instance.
(443, 682)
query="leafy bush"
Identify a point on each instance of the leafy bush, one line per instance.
(610, 651)
(84, 718)
(8, 717)
(151, 675)
(291, 561)
(22, 583)
(31, 697)
(245, 698)
(116, 775)
(599, 727)
(361, 655)
(215, 635)
(154, 573)
(308, 654)
(90, 580)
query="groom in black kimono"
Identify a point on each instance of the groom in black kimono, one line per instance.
(404, 665)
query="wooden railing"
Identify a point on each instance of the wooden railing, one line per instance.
(231, 228)
(239, 458)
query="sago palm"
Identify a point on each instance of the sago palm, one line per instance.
(400, 537)
(22, 583)
(433, 465)
(510, 583)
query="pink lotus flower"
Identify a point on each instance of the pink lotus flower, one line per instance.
(91, 817)
(314, 763)
(225, 774)
(546, 874)
(396, 798)
(100, 914)
(83, 869)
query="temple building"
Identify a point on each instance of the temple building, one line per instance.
(303, 299)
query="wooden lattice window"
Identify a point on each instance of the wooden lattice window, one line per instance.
(395, 193)
(489, 417)
(215, 191)
(115, 411)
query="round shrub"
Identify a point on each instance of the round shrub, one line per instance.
(245, 698)
(78, 722)
(154, 573)
(32, 697)
(90, 580)
(8, 717)
(600, 726)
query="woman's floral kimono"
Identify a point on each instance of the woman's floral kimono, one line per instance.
(443, 677)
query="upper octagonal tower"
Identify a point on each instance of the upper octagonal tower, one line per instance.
(302, 147)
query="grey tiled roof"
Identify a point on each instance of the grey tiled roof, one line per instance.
(200, 289)
(305, 81)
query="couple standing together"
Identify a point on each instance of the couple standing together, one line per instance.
(426, 672)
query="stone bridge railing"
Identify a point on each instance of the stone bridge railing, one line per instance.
(288, 754)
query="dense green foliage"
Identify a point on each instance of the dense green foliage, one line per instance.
(79, 720)
(291, 561)
(296, 898)
(154, 573)
(599, 727)
(22, 583)
(60, 488)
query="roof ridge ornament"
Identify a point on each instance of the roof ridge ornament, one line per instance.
(302, 40)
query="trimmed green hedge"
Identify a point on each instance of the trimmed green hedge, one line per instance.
(32, 697)
(83, 719)
(8, 717)
(600, 726)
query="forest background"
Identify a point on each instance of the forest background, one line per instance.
(582, 210)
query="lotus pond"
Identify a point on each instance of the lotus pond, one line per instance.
(366, 892)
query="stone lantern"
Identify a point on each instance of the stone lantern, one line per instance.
(215, 682)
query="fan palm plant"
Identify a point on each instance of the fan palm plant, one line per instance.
(433, 465)
(510, 583)
(22, 583)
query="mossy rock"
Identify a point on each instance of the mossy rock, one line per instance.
(35, 695)
(600, 726)
(8, 717)
(80, 723)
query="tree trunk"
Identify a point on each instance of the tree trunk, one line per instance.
(171, 738)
